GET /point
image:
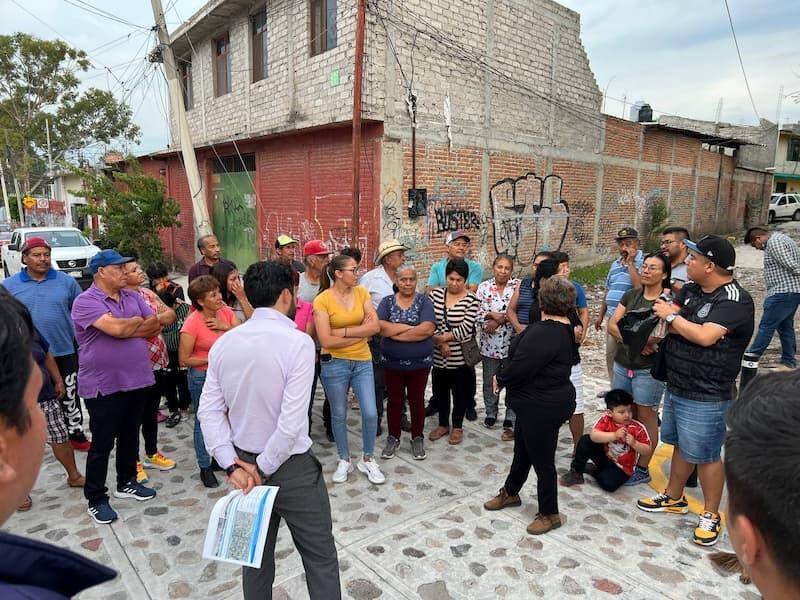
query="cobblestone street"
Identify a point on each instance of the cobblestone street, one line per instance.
(424, 534)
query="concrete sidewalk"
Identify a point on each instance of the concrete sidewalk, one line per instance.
(424, 534)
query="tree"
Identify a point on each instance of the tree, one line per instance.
(133, 207)
(38, 82)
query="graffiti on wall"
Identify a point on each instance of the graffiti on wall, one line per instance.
(337, 234)
(530, 209)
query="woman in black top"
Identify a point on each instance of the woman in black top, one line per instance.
(536, 376)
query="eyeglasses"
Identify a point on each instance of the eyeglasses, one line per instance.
(649, 268)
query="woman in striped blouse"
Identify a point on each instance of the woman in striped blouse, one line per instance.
(456, 310)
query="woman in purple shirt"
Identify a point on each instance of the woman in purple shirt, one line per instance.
(407, 324)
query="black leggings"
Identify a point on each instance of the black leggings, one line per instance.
(461, 382)
(535, 441)
(150, 413)
(608, 475)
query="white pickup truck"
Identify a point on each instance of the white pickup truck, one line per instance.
(71, 251)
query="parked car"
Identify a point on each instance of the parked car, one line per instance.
(71, 251)
(784, 206)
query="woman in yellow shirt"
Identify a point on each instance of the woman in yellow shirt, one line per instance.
(345, 319)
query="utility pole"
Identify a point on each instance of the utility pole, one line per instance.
(202, 222)
(5, 192)
(357, 93)
(16, 182)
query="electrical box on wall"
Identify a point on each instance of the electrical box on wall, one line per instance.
(417, 202)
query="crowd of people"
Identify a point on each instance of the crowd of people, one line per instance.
(677, 324)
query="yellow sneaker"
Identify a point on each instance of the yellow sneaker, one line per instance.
(141, 476)
(159, 461)
(708, 529)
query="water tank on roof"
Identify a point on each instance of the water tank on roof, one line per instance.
(634, 113)
(645, 114)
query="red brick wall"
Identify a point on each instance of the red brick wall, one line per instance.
(303, 186)
(304, 179)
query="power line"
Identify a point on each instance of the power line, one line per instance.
(99, 12)
(741, 62)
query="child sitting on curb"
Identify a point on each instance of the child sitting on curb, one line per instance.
(614, 445)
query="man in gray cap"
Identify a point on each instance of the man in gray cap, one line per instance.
(622, 276)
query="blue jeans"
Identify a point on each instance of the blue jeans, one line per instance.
(646, 390)
(779, 310)
(196, 378)
(337, 375)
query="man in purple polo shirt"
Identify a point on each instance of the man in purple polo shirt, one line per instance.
(111, 324)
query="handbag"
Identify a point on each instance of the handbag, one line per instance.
(469, 348)
(635, 328)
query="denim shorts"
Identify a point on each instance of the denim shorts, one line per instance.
(696, 428)
(646, 390)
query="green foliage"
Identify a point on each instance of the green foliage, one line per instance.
(657, 219)
(591, 274)
(133, 207)
(38, 82)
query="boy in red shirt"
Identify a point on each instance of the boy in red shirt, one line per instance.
(614, 446)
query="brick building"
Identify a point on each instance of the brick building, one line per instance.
(510, 140)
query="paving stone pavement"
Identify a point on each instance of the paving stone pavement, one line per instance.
(424, 534)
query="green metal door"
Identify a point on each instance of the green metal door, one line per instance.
(235, 209)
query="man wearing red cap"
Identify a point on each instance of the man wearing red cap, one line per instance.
(48, 294)
(316, 257)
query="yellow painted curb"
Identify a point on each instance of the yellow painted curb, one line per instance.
(659, 473)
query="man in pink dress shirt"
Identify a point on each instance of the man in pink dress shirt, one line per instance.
(259, 433)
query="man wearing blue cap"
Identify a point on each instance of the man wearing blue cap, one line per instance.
(111, 327)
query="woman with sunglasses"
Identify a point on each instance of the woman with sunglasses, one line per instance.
(632, 373)
(345, 319)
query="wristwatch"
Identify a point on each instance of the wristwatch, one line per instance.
(670, 318)
(232, 468)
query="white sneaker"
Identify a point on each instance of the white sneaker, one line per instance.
(344, 468)
(372, 471)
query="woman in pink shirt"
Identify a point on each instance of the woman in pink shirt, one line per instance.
(206, 323)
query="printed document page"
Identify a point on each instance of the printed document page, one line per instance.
(237, 527)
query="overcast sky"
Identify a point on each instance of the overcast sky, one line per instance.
(678, 55)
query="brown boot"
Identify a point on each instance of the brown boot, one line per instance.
(437, 433)
(502, 500)
(544, 523)
(456, 436)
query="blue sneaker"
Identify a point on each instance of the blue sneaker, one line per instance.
(638, 477)
(103, 513)
(135, 490)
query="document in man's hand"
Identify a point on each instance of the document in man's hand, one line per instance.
(237, 527)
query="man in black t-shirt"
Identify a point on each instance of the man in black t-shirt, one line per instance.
(710, 325)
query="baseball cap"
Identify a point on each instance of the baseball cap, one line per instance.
(716, 249)
(627, 233)
(454, 235)
(35, 242)
(315, 247)
(107, 258)
(285, 240)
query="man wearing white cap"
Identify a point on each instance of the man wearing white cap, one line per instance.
(380, 283)
(457, 243)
